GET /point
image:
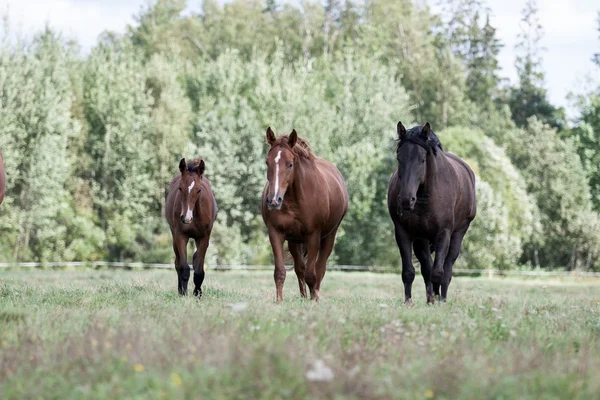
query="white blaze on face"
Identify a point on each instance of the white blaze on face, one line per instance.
(191, 186)
(277, 174)
(189, 214)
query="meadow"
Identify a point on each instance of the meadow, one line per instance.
(128, 334)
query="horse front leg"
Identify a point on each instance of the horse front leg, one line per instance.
(276, 240)
(408, 270)
(313, 243)
(181, 265)
(423, 254)
(453, 252)
(442, 245)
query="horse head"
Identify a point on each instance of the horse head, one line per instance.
(280, 167)
(189, 187)
(414, 149)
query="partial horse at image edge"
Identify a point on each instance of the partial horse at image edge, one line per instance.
(432, 202)
(2, 178)
(304, 201)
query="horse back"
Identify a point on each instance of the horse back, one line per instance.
(465, 185)
(335, 185)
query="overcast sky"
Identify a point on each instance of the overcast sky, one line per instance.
(570, 27)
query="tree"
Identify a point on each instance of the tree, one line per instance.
(118, 113)
(529, 98)
(40, 219)
(586, 135)
(482, 64)
(557, 179)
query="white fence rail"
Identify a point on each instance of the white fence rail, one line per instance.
(358, 268)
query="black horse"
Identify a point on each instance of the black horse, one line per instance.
(431, 199)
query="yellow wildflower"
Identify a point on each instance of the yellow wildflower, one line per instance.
(429, 394)
(138, 367)
(176, 379)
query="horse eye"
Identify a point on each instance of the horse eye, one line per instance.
(290, 165)
(199, 190)
(179, 189)
(422, 161)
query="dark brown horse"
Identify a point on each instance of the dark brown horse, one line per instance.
(2, 178)
(431, 199)
(191, 211)
(304, 202)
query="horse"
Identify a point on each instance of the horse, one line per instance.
(191, 210)
(2, 178)
(431, 200)
(304, 201)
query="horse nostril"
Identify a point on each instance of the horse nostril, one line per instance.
(279, 199)
(413, 199)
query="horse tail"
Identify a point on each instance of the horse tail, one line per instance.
(289, 259)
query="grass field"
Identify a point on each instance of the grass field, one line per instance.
(127, 334)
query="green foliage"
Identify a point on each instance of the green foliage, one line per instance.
(37, 219)
(586, 136)
(529, 98)
(557, 179)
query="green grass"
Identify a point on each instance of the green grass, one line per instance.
(120, 334)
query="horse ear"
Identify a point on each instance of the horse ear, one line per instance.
(182, 165)
(401, 130)
(200, 167)
(270, 136)
(426, 131)
(293, 138)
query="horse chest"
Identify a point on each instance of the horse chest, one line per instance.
(419, 223)
(290, 226)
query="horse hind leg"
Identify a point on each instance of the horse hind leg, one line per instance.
(325, 250)
(423, 254)
(198, 263)
(297, 251)
(310, 276)
(453, 252)
(441, 251)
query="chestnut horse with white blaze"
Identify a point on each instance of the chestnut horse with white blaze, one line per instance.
(303, 202)
(191, 210)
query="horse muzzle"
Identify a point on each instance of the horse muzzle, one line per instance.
(407, 204)
(274, 203)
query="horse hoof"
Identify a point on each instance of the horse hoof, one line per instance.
(430, 300)
(408, 303)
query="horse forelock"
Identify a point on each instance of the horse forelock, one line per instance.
(301, 149)
(193, 165)
(413, 135)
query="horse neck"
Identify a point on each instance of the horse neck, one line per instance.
(435, 164)
(302, 172)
